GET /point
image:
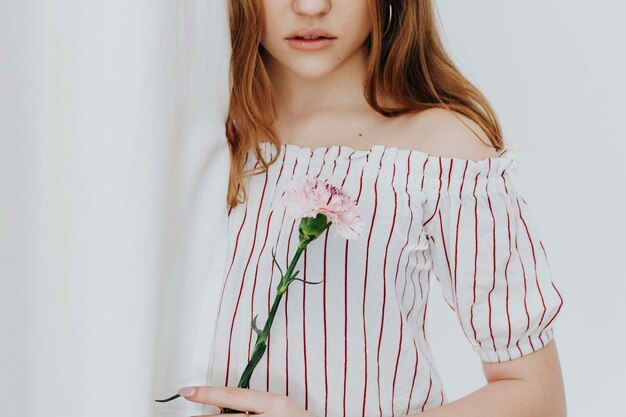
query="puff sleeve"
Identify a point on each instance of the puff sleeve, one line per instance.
(488, 257)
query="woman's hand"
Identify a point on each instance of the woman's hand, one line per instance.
(263, 403)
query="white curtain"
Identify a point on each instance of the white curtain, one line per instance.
(113, 176)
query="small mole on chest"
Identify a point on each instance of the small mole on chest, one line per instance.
(360, 134)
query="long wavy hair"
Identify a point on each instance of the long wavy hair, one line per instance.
(406, 61)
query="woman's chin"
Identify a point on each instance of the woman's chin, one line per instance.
(313, 71)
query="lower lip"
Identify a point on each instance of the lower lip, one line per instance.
(310, 44)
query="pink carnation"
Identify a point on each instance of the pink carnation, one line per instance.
(306, 197)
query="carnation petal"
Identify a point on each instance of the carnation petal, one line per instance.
(306, 197)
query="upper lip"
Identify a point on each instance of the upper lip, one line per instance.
(310, 32)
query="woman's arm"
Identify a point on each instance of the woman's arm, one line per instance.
(530, 386)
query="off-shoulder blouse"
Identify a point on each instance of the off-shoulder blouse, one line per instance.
(356, 344)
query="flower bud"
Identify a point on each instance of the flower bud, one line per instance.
(312, 227)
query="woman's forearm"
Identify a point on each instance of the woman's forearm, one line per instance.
(503, 398)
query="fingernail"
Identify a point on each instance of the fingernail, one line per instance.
(187, 391)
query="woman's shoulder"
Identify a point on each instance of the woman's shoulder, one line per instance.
(447, 133)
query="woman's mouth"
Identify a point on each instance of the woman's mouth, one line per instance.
(310, 43)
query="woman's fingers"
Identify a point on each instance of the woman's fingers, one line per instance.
(243, 399)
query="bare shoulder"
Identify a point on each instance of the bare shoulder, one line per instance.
(443, 132)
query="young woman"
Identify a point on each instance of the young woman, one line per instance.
(378, 108)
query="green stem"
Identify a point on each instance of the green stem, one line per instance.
(260, 345)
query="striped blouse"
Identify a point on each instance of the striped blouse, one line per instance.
(356, 343)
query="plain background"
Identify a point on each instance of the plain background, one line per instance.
(113, 169)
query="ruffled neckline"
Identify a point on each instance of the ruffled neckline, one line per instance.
(425, 163)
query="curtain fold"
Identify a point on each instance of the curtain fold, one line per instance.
(112, 207)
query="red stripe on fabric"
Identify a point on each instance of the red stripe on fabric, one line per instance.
(424, 318)
(256, 272)
(431, 366)
(346, 176)
(408, 406)
(270, 286)
(455, 299)
(406, 280)
(409, 278)
(532, 246)
(406, 190)
(430, 385)
(219, 310)
(456, 241)
(325, 328)
(408, 315)
(345, 360)
(553, 286)
(445, 252)
(475, 257)
(287, 292)
(335, 162)
(287, 317)
(322, 164)
(324, 303)
(424, 172)
(345, 330)
(400, 312)
(304, 346)
(425, 303)
(525, 290)
(346, 283)
(287, 261)
(506, 281)
(443, 240)
(454, 292)
(365, 279)
(395, 371)
(358, 197)
(243, 275)
(280, 173)
(287, 298)
(304, 277)
(438, 194)
(493, 287)
(232, 261)
(382, 320)
(345, 311)
(409, 231)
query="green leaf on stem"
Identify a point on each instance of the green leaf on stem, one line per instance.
(274, 258)
(168, 399)
(307, 282)
(254, 326)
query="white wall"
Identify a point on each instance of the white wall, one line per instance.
(554, 71)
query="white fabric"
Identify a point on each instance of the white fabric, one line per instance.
(112, 213)
(356, 344)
